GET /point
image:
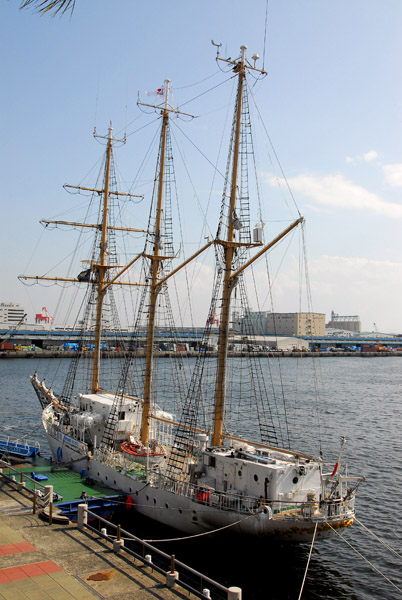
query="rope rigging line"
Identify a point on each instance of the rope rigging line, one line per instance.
(184, 87)
(308, 561)
(275, 154)
(200, 151)
(367, 561)
(206, 92)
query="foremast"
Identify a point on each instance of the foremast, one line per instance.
(97, 273)
(101, 267)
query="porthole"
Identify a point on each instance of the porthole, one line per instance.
(256, 477)
(115, 482)
(180, 511)
(147, 497)
(130, 489)
(295, 479)
(167, 505)
(106, 477)
(239, 473)
(136, 493)
(154, 500)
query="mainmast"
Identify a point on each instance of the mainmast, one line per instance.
(156, 282)
(154, 286)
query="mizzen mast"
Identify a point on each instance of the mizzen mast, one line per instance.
(229, 247)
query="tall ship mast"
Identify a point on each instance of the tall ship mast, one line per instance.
(214, 453)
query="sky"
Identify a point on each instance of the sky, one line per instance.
(332, 102)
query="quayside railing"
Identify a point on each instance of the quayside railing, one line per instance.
(40, 495)
(176, 572)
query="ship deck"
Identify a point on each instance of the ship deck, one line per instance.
(65, 482)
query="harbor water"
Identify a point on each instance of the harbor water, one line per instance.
(361, 400)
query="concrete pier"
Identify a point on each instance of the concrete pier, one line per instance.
(62, 562)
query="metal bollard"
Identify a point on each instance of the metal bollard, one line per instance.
(117, 545)
(234, 593)
(104, 531)
(49, 494)
(171, 579)
(82, 516)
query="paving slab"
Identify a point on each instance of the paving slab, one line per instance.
(61, 562)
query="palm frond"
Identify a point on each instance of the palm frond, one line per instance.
(53, 6)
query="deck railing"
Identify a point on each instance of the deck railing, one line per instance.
(228, 501)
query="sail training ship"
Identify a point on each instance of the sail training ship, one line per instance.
(199, 471)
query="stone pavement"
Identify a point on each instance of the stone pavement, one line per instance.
(60, 562)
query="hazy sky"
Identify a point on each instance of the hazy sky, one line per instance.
(332, 100)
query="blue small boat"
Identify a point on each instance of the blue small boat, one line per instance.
(103, 506)
(19, 448)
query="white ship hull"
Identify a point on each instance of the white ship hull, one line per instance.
(182, 509)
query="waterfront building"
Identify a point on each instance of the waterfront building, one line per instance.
(11, 314)
(297, 324)
(346, 322)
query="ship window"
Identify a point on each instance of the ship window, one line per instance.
(129, 489)
(212, 461)
(115, 482)
(167, 505)
(154, 500)
(180, 510)
(295, 479)
(239, 473)
(147, 498)
(122, 415)
(106, 477)
(255, 477)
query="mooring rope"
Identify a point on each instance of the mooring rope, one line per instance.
(190, 537)
(379, 539)
(308, 561)
(367, 561)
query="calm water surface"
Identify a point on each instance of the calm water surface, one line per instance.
(361, 399)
